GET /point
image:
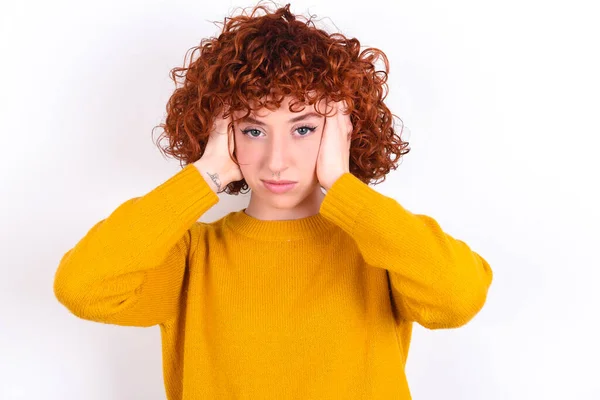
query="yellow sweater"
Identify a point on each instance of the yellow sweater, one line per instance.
(315, 308)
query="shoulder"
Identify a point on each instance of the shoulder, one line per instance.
(208, 231)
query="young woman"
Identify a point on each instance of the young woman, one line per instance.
(311, 291)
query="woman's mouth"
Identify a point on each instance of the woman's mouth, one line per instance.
(279, 187)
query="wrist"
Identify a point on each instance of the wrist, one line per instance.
(217, 180)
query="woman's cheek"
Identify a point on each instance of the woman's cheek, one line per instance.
(247, 155)
(310, 148)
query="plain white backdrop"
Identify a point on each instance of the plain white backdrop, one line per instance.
(501, 100)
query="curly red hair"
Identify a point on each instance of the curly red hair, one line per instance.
(259, 59)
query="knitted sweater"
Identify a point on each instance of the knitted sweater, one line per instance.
(320, 307)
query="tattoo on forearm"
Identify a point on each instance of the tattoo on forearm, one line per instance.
(216, 180)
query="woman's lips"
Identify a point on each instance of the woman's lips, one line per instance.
(279, 187)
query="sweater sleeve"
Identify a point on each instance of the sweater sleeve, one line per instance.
(436, 280)
(128, 269)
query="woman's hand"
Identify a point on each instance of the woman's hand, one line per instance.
(216, 164)
(334, 151)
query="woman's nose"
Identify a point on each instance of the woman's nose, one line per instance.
(277, 154)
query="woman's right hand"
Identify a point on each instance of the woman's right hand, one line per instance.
(216, 165)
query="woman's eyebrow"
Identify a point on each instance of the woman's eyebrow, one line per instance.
(295, 119)
(304, 116)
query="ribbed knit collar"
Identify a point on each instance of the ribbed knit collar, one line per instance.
(314, 226)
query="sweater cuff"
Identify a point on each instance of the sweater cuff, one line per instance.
(347, 198)
(187, 194)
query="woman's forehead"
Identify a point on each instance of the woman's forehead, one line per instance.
(297, 105)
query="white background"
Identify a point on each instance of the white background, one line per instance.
(501, 99)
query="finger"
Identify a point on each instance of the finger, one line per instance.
(323, 132)
(345, 106)
(344, 121)
(340, 113)
(231, 141)
(344, 114)
(339, 108)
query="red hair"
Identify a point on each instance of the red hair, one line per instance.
(259, 59)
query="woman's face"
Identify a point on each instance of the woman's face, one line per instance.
(281, 142)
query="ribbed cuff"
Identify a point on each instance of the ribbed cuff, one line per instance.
(347, 198)
(187, 194)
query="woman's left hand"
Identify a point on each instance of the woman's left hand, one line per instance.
(334, 151)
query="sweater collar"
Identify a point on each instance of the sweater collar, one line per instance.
(314, 226)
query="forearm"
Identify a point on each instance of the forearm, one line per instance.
(140, 250)
(438, 280)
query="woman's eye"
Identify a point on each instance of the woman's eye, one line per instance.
(304, 130)
(248, 132)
